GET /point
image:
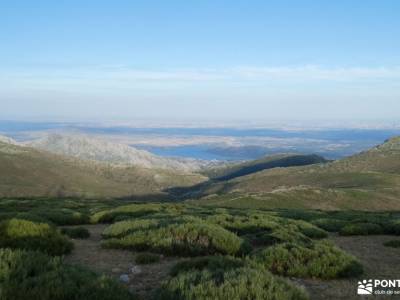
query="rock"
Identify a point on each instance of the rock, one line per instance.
(116, 270)
(124, 278)
(136, 270)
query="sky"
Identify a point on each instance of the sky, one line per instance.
(200, 60)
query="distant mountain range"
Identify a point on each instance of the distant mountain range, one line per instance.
(88, 148)
(25, 171)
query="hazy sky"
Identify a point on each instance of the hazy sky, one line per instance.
(264, 60)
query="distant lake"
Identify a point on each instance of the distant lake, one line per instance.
(195, 151)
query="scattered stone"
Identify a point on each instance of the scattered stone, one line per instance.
(136, 270)
(124, 278)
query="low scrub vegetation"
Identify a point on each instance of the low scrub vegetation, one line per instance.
(23, 234)
(187, 239)
(223, 278)
(361, 229)
(315, 260)
(36, 276)
(133, 210)
(76, 232)
(147, 258)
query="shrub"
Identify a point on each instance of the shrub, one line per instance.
(331, 225)
(212, 263)
(310, 230)
(122, 228)
(76, 232)
(361, 229)
(147, 258)
(392, 227)
(185, 239)
(133, 210)
(392, 243)
(63, 216)
(23, 234)
(36, 276)
(317, 260)
(234, 284)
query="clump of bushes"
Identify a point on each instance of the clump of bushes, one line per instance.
(319, 259)
(392, 227)
(223, 278)
(36, 276)
(76, 232)
(212, 263)
(361, 229)
(63, 216)
(132, 210)
(123, 228)
(311, 231)
(147, 258)
(392, 243)
(191, 239)
(331, 225)
(23, 234)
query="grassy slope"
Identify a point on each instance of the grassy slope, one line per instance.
(369, 181)
(28, 172)
(268, 162)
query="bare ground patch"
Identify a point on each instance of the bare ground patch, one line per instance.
(115, 263)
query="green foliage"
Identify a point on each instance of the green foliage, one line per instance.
(64, 216)
(147, 258)
(36, 276)
(316, 260)
(392, 243)
(191, 238)
(123, 228)
(331, 225)
(76, 232)
(361, 229)
(23, 234)
(392, 227)
(133, 210)
(212, 263)
(223, 278)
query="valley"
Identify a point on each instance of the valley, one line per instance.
(121, 223)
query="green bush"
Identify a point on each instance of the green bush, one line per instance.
(361, 229)
(23, 234)
(331, 225)
(212, 263)
(123, 228)
(63, 216)
(316, 260)
(310, 230)
(147, 258)
(36, 276)
(76, 232)
(233, 284)
(185, 239)
(392, 243)
(392, 227)
(132, 210)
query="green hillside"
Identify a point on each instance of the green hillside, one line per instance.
(28, 172)
(369, 180)
(268, 162)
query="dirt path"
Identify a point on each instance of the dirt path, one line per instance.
(115, 263)
(379, 262)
